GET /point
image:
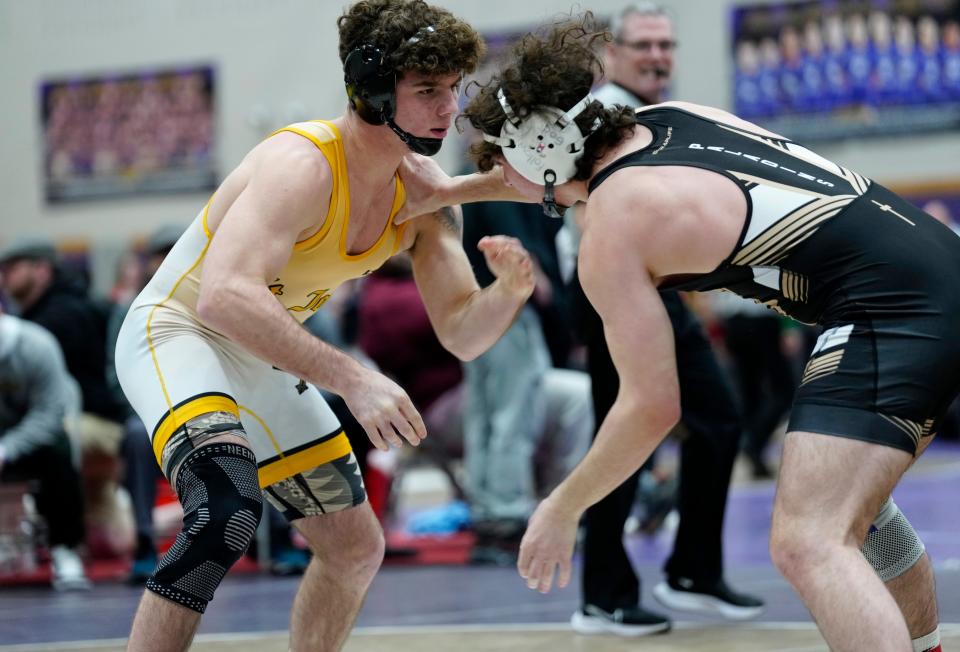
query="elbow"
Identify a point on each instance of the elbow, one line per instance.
(466, 355)
(665, 411)
(212, 306)
(658, 411)
(462, 350)
(459, 340)
(668, 414)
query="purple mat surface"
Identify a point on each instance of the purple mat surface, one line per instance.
(929, 494)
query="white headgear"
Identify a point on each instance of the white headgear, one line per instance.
(543, 146)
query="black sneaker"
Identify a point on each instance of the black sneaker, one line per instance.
(633, 621)
(683, 594)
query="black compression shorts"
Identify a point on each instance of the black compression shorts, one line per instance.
(887, 365)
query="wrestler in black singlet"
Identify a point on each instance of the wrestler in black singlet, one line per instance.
(825, 245)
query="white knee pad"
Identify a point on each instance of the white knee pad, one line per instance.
(892, 546)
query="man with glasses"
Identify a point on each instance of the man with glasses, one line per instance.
(638, 68)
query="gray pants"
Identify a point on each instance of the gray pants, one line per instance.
(526, 424)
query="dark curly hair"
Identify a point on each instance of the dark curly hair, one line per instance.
(556, 69)
(389, 24)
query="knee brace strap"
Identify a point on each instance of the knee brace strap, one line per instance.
(218, 488)
(892, 546)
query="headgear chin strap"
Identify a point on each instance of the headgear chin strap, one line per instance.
(372, 90)
(417, 144)
(543, 146)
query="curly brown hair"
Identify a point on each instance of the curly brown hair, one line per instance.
(389, 24)
(556, 69)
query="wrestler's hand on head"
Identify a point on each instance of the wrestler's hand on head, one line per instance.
(510, 263)
(424, 182)
(547, 544)
(384, 410)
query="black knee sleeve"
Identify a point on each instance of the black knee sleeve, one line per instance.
(218, 488)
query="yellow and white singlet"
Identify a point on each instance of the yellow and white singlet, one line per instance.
(173, 368)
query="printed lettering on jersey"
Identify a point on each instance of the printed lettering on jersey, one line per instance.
(317, 299)
(762, 161)
(666, 141)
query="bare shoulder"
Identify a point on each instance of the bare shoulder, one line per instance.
(283, 183)
(627, 214)
(713, 113)
(292, 157)
(626, 206)
(630, 190)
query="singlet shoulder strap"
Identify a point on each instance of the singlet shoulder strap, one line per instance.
(649, 120)
(325, 135)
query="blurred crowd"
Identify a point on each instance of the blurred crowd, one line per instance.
(124, 128)
(847, 62)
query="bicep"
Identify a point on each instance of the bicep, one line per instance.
(441, 268)
(635, 321)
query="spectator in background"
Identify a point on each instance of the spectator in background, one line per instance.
(883, 78)
(907, 58)
(814, 83)
(340, 323)
(47, 296)
(929, 76)
(859, 59)
(791, 70)
(749, 98)
(527, 422)
(770, 75)
(37, 396)
(836, 78)
(950, 58)
(128, 281)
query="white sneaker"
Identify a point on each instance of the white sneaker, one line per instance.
(67, 569)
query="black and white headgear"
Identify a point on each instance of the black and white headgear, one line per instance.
(544, 145)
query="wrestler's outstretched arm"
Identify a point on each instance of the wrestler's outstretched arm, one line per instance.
(616, 277)
(429, 188)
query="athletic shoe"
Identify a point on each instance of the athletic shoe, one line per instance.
(67, 570)
(683, 594)
(633, 621)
